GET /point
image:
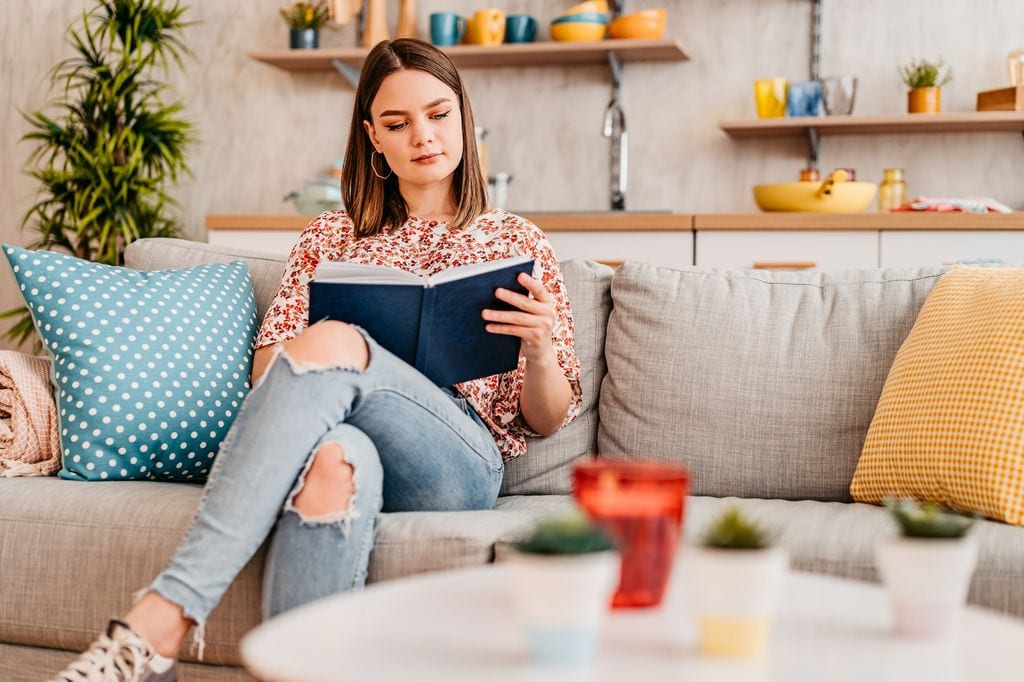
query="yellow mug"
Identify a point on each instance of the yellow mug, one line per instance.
(770, 96)
(486, 27)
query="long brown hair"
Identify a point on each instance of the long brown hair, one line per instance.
(375, 204)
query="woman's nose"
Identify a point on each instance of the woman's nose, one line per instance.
(422, 133)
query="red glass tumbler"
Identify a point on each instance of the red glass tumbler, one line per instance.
(641, 506)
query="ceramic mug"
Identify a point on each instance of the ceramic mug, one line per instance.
(770, 97)
(520, 28)
(486, 27)
(804, 98)
(446, 28)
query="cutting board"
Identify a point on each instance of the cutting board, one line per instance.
(1003, 99)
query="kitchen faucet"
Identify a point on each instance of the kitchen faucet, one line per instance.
(615, 130)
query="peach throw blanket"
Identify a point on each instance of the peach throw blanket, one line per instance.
(29, 444)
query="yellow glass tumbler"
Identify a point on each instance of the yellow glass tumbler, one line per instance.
(770, 95)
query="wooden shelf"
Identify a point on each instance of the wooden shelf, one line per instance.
(526, 54)
(974, 121)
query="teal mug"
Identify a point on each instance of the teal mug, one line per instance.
(446, 28)
(520, 28)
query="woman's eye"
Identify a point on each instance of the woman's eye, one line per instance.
(442, 115)
(395, 126)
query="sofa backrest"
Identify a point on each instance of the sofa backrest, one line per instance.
(763, 383)
(545, 469)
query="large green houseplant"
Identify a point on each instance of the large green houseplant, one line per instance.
(105, 157)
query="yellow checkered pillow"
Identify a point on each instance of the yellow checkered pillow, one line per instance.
(949, 426)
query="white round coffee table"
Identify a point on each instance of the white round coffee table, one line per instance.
(460, 625)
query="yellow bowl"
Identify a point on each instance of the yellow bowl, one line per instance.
(578, 31)
(649, 24)
(846, 197)
(600, 6)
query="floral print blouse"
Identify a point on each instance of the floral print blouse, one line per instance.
(425, 247)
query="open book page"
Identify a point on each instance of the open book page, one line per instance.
(463, 271)
(362, 273)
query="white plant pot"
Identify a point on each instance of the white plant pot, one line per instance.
(736, 592)
(927, 580)
(562, 602)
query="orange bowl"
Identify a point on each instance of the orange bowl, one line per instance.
(648, 24)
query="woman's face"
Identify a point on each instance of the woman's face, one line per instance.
(417, 126)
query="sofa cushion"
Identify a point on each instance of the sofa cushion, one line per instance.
(839, 539)
(949, 426)
(149, 367)
(545, 468)
(81, 550)
(763, 383)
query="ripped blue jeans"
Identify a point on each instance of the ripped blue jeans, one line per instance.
(412, 446)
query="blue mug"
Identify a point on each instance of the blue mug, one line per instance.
(520, 28)
(446, 28)
(804, 99)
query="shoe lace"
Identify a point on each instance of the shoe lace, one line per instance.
(108, 660)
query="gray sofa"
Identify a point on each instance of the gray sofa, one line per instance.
(763, 383)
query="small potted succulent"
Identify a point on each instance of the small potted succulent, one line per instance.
(738, 575)
(925, 80)
(563, 578)
(305, 19)
(927, 568)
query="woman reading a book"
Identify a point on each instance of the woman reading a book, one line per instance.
(336, 429)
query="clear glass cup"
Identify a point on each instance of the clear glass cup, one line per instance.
(838, 94)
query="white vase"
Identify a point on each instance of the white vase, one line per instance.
(736, 592)
(562, 600)
(927, 580)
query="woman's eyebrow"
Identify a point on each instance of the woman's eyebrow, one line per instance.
(399, 112)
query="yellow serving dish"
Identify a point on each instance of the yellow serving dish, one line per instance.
(578, 31)
(835, 194)
(600, 6)
(648, 23)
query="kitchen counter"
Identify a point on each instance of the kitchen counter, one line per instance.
(676, 222)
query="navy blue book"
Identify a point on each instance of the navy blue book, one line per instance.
(433, 323)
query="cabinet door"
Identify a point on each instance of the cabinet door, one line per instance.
(614, 248)
(782, 250)
(911, 248)
(278, 242)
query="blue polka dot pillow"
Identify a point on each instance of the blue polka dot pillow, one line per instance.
(150, 368)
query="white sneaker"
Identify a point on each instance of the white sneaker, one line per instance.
(120, 655)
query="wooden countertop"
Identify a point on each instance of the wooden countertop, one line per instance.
(676, 222)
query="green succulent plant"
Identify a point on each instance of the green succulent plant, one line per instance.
(573, 533)
(921, 73)
(302, 15)
(734, 531)
(929, 520)
(105, 156)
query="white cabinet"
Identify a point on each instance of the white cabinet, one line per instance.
(615, 247)
(278, 242)
(785, 250)
(911, 248)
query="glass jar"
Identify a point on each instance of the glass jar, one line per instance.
(1015, 67)
(892, 193)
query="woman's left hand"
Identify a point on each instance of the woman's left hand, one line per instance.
(533, 323)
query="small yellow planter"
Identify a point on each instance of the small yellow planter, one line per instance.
(729, 637)
(924, 101)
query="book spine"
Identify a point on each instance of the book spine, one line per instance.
(426, 320)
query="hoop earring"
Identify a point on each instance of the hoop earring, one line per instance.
(374, 168)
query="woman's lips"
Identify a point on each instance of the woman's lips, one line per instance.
(427, 159)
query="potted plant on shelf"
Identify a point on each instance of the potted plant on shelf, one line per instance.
(925, 80)
(737, 574)
(927, 568)
(305, 20)
(563, 578)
